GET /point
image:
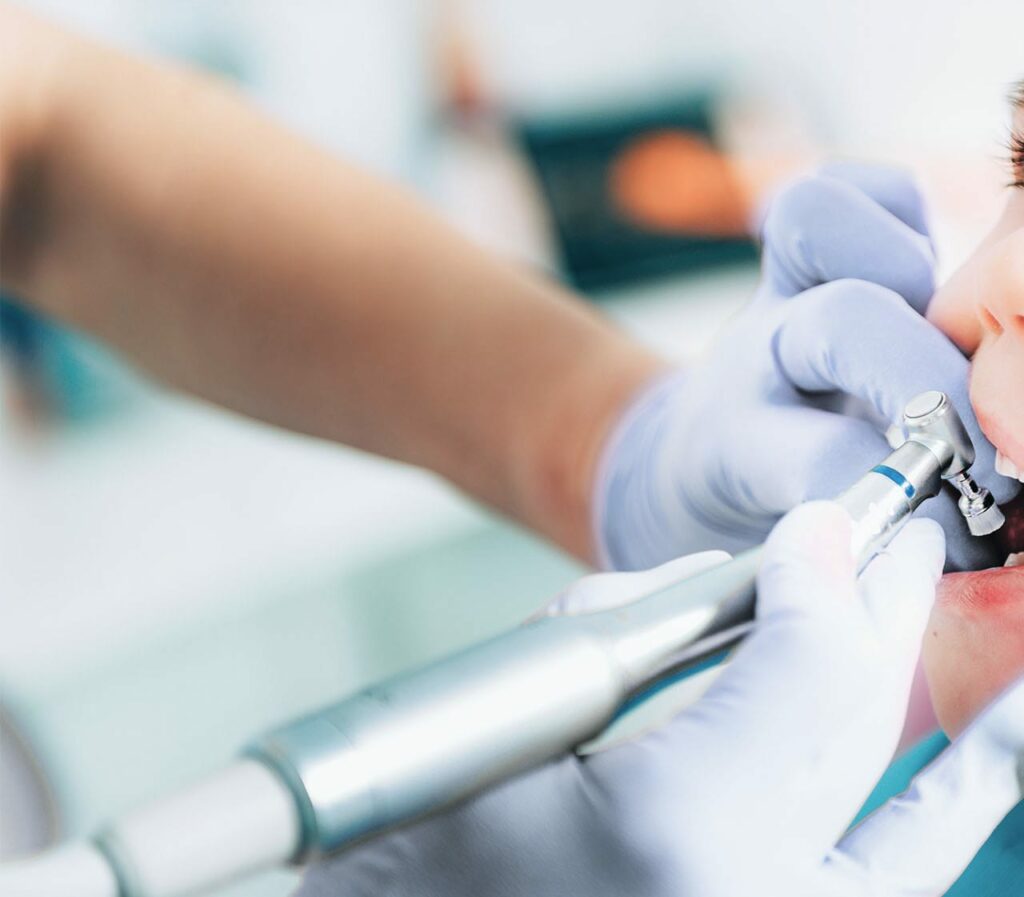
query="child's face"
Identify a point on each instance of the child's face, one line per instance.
(974, 647)
(982, 309)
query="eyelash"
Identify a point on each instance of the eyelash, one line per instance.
(1017, 160)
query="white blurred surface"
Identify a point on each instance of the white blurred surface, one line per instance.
(881, 73)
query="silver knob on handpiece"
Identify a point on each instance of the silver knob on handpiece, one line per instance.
(937, 447)
(931, 420)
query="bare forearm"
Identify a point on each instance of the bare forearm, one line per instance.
(235, 261)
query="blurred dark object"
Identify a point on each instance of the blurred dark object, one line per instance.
(641, 193)
(51, 373)
(29, 393)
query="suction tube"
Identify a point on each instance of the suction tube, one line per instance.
(233, 823)
(78, 869)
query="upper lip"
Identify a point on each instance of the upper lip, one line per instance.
(1007, 467)
(1001, 436)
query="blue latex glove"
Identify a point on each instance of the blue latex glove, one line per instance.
(713, 455)
(750, 790)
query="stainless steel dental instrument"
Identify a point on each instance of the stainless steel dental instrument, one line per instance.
(428, 739)
(425, 740)
(931, 421)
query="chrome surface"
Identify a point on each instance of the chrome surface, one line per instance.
(428, 739)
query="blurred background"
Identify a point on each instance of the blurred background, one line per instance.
(173, 579)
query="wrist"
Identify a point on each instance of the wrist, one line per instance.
(629, 489)
(583, 419)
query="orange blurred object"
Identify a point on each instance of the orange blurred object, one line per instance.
(677, 182)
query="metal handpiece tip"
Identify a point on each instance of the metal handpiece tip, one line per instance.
(985, 522)
(977, 506)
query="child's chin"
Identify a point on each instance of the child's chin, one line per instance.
(974, 645)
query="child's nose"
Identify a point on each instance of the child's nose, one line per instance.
(1001, 305)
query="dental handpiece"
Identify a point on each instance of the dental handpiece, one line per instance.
(426, 740)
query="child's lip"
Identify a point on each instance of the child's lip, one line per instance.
(1001, 428)
(974, 646)
(983, 590)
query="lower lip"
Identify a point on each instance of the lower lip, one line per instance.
(974, 647)
(984, 592)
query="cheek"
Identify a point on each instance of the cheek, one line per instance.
(986, 296)
(982, 309)
(1001, 285)
(954, 309)
(997, 373)
(974, 645)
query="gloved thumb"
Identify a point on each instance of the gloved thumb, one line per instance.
(808, 562)
(898, 587)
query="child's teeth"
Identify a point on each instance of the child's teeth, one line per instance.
(1015, 560)
(1005, 467)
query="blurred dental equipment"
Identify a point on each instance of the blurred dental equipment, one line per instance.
(431, 738)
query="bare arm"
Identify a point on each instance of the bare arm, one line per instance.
(155, 209)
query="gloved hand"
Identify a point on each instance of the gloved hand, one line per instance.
(749, 790)
(713, 455)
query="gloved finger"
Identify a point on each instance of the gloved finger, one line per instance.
(785, 694)
(819, 663)
(892, 188)
(822, 229)
(799, 454)
(601, 591)
(920, 842)
(807, 554)
(895, 189)
(805, 455)
(863, 340)
(865, 655)
(796, 689)
(898, 589)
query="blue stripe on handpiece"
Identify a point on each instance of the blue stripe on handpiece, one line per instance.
(897, 478)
